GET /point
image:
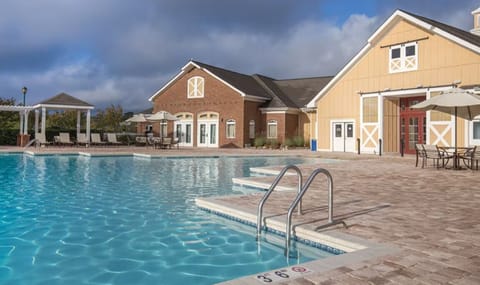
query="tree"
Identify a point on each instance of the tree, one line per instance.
(109, 119)
(9, 120)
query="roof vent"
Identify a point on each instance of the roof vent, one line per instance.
(476, 22)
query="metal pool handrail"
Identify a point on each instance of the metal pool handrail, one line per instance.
(270, 190)
(299, 198)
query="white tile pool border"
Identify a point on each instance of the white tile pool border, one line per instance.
(356, 249)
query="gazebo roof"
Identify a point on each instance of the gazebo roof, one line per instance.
(63, 100)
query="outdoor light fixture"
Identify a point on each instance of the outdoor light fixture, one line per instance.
(24, 91)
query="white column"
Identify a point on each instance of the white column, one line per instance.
(25, 119)
(88, 126)
(21, 122)
(78, 122)
(44, 118)
(380, 121)
(36, 121)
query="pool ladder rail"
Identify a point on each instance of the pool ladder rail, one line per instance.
(302, 189)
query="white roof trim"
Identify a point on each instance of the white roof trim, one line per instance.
(172, 80)
(51, 106)
(337, 77)
(255, 98)
(15, 108)
(279, 110)
(184, 68)
(377, 33)
(223, 81)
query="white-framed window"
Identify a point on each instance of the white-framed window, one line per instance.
(251, 129)
(272, 129)
(403, 57)
(230, 129)
(163, 129)
(195, 87)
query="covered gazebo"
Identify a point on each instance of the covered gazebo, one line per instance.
(61, 101)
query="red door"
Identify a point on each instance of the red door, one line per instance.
(412, 123)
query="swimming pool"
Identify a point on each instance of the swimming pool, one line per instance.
(124, 220)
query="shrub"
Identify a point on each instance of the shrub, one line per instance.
(273, 143)
(299, 141)
(259, 141)
(289, 142)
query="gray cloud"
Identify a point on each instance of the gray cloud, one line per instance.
(120, 52)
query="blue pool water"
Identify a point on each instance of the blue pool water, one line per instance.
(124, 220)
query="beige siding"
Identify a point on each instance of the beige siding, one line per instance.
(440, 62)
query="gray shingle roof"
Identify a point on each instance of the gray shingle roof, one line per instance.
(242, 82)
(291, 93)
(65, 99)
(462, 34)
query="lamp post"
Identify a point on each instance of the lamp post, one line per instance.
(24, 91)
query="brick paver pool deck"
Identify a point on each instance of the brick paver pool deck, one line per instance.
(432, 215)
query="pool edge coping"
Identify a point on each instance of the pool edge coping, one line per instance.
(356, 249)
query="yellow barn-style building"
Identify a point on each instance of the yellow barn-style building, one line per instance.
(408, 59)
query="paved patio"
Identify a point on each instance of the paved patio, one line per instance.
(432, 215)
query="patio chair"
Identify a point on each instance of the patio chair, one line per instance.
(175, 143)
(112, 139)
(41, 140)
(420, 153)
(166, 142)
(64, 139)
(96, 140)
(434, 153)
(471, 157)
(82, 140)
(141, 140)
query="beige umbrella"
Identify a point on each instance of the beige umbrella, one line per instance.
(455, 101)
(162, 116)
(137, 118)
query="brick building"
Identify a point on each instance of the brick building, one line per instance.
(216, 107)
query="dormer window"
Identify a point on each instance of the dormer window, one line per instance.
(403, 57)
(195, 87)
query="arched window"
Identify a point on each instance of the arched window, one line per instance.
(195, 87)
(272, 129)
(251, 129)
(230, 129)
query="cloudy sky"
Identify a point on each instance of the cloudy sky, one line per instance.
(121, 51)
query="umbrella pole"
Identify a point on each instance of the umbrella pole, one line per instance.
(455, 161)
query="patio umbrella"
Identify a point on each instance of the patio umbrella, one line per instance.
(137, 118)
(162, 116)
(455, 101)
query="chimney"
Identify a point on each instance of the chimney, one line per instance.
(476, 22)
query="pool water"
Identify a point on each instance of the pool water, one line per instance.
(124, 220)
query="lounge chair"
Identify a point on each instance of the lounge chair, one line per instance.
(82, 140)
(64, 139)
(434, 153)
(40, 137)
(96, 140)
(112, 139)
(471, 157)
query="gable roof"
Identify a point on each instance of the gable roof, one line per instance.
(460, 37)
(63, 100)
(290, 93)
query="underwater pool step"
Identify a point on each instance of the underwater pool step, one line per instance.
(259, 182)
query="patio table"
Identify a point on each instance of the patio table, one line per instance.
(457, 155)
